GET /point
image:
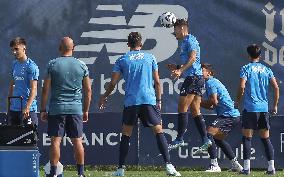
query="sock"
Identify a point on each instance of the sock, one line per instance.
(269, 151)
(247, 165)
(123, 150)
(226, 148)
(212, 149)
(53, 170)
(271, 165)
(163, 147)
(214, 162)
(201, 127)
(80, 169)
(247, 152)
(182, 124)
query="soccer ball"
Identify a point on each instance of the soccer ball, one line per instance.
(168, 19)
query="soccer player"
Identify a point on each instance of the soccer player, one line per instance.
(23, 84)
(218, 98)
(193, 85)
(254, 81)
(65, 79)
(142, 98)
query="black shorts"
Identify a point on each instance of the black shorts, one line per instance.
(193, 85)
(255, 120)
(225, 124)
(150, 115)
(16, 118)
(71, 124)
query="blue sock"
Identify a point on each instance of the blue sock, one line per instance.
(212, 149)
(269, 150)
(53, 170)
(123, 150)
(226, 148)
(80, 169)
(247, 147)
(182, 124)
(201, 127)
(163, 147)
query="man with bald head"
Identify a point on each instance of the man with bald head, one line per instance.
(65, 79)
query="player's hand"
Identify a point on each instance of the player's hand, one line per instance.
(176, 74)
(274, 110)
(85, 116)
(26, 112)
(43, 116)
(159, 105)
(236, 105)
(102, 102)
(172, 67)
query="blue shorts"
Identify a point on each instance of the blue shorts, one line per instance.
(193, 85)
(16, 118)
(225, 124)
(150, 115)
(255, 120)
(70, 124)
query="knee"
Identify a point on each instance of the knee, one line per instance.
(157, 129)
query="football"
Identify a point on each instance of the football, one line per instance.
(168, 19)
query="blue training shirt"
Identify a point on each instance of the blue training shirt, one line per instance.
(137, 69)
(257, 78)
(22, 74)
(188, 44)
(225, 106)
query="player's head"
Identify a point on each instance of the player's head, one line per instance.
(181, 28)
(254, 51)
(66, 46)
(134, 41)
(18, 47)
(207, 70)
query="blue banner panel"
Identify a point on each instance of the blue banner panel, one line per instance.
(183, 156)
(99, 28)
(101, 142)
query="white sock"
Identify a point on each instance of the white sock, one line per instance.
(271, 165)
(214, 162)
(247, 164)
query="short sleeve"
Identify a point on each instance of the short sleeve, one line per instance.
(211, 89)
(33, 72)
(243, 73)
(85, 69)
(117, 66)
(270, 74)
(193, 45)
(49, 69)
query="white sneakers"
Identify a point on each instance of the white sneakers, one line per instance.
(236, 167)
(119, 172)
(213, 169)
(171, 171)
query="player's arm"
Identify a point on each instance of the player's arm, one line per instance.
(275, 87)
(32, 96)
(44, 98)
(10, 92)
(241, 91)
(157, 86)
(192, 58)
(87, 97)
(211, 102)
(114, 79)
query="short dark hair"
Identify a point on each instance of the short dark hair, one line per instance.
(18, 41)
(209, 67)
(181, 22)
(134, 39)
(254, 51)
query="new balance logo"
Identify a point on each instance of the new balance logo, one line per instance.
(144, 20)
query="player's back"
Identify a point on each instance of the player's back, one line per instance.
(257, 78)
(137, 70)
(225, 104)
(66, 75)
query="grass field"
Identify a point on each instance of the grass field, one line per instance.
(96, 173)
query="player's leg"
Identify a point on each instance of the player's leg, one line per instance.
(264, 126)
(129, 120)
(74, 130)
(212, 150)
(56, 131)
(184, 102)
(249, 124)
